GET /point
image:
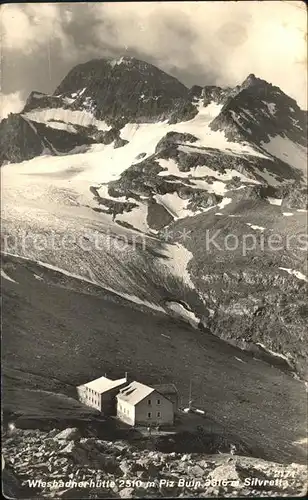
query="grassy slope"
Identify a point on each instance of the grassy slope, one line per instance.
(54, 331)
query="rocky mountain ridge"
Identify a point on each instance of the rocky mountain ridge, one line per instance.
(105, 94)
(275, 113)
(118, 90)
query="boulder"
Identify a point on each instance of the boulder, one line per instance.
(53, 433)
(126, 493)
(69, 448)
(152, 471)
(203, 464)
(225, 473)
(125, 468)
(141, 474)
(68, 434)
(196, 471)
(119, 142)
(133, 466)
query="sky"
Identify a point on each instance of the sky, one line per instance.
(203, 43)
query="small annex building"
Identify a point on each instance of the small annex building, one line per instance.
(101, 394)
(139, 404)
(170, 392)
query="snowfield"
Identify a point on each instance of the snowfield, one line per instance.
(43, 177)
(224, 203)
(101, 164)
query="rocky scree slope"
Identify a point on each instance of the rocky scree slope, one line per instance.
(256, 294)
(57, 457)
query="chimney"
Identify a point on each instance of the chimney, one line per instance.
(126, 376)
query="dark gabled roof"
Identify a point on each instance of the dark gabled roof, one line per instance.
(165, 389)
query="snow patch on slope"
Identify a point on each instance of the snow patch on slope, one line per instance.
(254, 227)
(297, 274)
(121, 60)
(37, 277)
(269, 177)
(217, 186)
(67, 117)
(224, 203)
(62, 126)
(273, 353)
(137, 217)
(175, 205)
(6, 277)
(103, 192)
(176, 258)
(271, 107)
(288, 151)
(171, 168)
(275, 201)
(184, 313)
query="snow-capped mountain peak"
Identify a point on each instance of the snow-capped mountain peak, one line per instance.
(122, 101)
